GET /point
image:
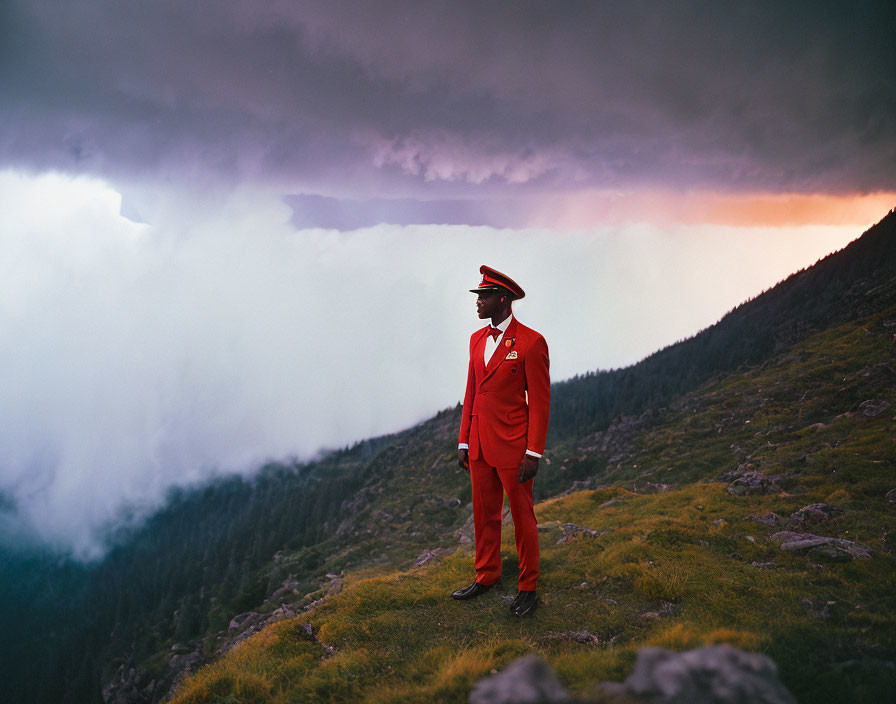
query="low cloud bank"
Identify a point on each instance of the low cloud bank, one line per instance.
(134, 357)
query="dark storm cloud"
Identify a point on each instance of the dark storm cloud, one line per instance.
(403, 99)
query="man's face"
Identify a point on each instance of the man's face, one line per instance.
(488, 304)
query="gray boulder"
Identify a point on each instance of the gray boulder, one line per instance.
(648, 487)
(821, 547)
(873, 408)
(753, 482)
(427, 556)
(527, 680)
(289, 588)
(813, 514)
(718, 674)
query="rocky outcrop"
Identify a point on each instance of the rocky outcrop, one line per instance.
(820, 547)
(427, 556)
(127, 686)
(813, 514)
(752, 482)
(719, 674)
(644, 486)
(183, 663)
(770, 519)
(288, 589)
(245, 625)
(308, 632)
(873, 408)
(528, 680)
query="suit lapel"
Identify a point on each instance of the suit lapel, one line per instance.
(500, 353)
(479, 354)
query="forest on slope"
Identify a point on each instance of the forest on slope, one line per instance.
(176, 584)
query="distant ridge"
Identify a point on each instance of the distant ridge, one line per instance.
(834, 290)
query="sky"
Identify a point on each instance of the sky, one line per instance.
(235, 231)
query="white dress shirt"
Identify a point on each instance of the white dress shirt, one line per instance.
(491, 343)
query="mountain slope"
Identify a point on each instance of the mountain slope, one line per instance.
(842, 286)
(690, 565)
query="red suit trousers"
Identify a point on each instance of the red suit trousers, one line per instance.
(489, 486)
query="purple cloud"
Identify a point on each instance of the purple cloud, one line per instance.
(448, 100)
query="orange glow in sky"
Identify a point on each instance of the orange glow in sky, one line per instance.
(587, 209)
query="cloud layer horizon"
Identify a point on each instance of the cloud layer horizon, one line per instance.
(136, 357)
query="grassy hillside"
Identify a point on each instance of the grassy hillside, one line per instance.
(666, 549)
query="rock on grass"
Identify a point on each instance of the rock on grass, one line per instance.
(719, 674)
(527, 680)
(753, 483)
(821, 547)
(813, 514)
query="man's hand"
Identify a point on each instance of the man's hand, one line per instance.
(463, 458)
(528, 468)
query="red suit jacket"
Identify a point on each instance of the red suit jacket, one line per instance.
(497, 422)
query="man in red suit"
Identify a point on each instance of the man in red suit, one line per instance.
(503, 429)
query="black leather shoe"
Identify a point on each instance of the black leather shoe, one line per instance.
(474, 590)
(524, 603)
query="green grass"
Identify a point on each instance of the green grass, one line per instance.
(397, 637)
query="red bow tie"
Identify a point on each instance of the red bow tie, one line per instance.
(495, 333)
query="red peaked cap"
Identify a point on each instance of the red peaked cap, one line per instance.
(493, 280)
